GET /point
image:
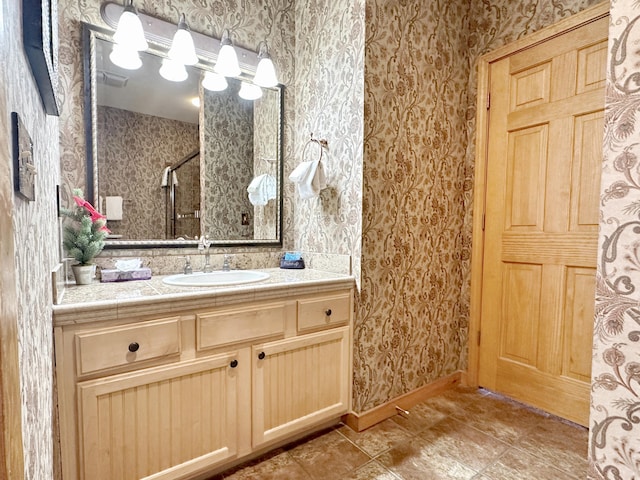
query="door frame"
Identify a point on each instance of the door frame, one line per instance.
(578, 20)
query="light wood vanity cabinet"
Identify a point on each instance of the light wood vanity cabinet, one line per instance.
(181, 396)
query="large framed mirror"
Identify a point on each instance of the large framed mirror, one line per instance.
(168, 162)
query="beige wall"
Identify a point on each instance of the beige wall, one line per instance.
(29, 251)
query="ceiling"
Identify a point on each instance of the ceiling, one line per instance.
(129, 89)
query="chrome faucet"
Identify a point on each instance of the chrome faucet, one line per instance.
(204, 244)
(187, 266)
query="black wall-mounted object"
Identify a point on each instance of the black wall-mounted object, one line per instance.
(40, 38)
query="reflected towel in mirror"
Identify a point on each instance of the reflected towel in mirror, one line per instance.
(113, 208)
(262, 189)
(165, 177)
(310, 178)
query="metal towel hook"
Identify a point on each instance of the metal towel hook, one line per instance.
(322, 142)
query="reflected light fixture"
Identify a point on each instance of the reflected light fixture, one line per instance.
(182, 48)
(265, 71)
(195, 101)
(124, 57)
(227, 63)
(214, 82)
(129, 32)
(249, 91)
(173, 71)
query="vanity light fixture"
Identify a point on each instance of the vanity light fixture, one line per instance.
(126, 58)
(265, 71)
(227, 63)
(249, 91)
(129, 32)
(214, 82)
(173, 71)
(182, 48)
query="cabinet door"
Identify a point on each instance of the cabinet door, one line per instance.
(159, 423)
(299, 382)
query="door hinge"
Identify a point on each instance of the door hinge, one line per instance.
(488, 101)
(479, 337)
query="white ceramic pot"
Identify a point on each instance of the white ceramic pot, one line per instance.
(84, 274)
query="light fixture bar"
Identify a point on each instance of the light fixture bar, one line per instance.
(160, 32)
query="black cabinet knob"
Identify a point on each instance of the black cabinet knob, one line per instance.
(133, 347)
(233, 364)
(261, 355)
(328, 312)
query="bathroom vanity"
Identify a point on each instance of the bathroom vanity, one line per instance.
(164, 382)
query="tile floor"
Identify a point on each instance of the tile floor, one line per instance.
(461, 434)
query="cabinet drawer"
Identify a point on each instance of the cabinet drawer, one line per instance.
(125, 345)
(236, 325)
(325, 311)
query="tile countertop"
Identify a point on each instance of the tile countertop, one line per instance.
(117, 300)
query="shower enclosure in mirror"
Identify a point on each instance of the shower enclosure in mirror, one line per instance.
(175, 159)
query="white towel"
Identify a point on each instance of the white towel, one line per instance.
(310, 178)
(262, 189)
(165, 177)
(113, 208)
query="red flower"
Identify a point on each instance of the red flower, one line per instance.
(93, 213)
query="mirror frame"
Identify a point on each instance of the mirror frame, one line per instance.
(89, 35)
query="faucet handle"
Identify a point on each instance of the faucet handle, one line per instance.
(226, 265)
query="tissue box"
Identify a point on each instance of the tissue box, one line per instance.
(143, 273)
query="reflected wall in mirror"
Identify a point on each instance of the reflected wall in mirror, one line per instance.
(181, 158)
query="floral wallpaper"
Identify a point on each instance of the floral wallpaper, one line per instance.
(614, 449)
(410, 328)
(134, 149)
(28, 241)
(329, 104)
(228, 165)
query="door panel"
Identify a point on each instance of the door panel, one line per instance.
(543, 169)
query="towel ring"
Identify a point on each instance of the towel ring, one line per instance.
(322, 142)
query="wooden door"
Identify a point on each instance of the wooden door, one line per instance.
(161, 423)
(299, 382)
(544, 156)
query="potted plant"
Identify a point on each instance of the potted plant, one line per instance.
(83, 236)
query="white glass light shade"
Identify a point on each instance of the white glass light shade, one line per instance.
(265, 73)
(129, 31)
(214, 82)
(227, 63)
(249, 91)
(124, 57)
(173, 71)
(182, 48)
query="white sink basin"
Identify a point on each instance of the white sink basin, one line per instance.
(215, 279)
